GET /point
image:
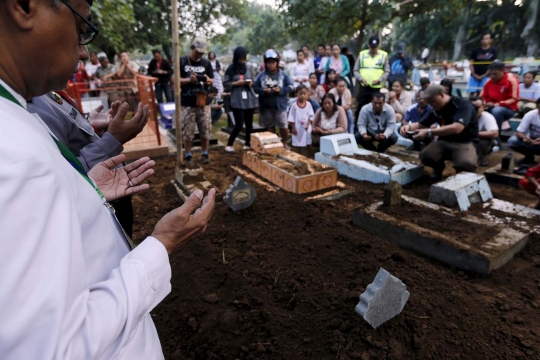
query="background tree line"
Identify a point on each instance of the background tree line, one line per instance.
(450, 27)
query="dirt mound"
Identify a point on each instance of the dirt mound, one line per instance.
(280, 281)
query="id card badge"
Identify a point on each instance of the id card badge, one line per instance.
(244, 95)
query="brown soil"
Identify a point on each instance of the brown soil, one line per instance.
(454, 226)
(373, 159)
(293, 272)
(294, 167)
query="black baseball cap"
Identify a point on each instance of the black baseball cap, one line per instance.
(400, 48)
(373, 41)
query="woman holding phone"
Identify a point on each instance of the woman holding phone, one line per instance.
(238, 80)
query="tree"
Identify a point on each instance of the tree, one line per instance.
(530, 32)
(140, 24)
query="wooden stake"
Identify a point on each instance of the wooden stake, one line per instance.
(392, 193)
(177, 88)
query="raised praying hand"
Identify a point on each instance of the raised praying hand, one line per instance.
(117, 182)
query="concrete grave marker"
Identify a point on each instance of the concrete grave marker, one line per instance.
(507, 163)
(240, 195)
(392, 193)
(461, 190)
(383, 299)
(341, 152)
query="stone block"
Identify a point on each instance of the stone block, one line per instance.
(497, 175)
(383, 299)
(392, 193)
(461, 190)
(240, 195)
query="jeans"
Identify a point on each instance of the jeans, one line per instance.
(381, 147)
(519, 146)
(163, 89)
(241, 117)
(216, 115)
(501, 114)
(350, 121)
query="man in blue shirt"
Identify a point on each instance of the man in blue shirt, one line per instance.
(416, 111)
(321, 52)
(529, 92)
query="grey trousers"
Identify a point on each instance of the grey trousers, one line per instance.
(463, 155)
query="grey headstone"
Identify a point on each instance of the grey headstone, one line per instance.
(240, 195)
(383, 299)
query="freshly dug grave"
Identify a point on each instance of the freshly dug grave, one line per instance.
(293, 272)
(454, 226)
(373, 159)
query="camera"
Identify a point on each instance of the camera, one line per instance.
(410, 134)
(201, 78)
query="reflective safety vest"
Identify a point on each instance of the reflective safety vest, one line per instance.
(372, 68)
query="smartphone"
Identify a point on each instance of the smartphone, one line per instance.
(249, 80)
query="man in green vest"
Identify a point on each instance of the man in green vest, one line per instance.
(370, 70)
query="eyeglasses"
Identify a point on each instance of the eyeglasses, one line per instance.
(92, 31)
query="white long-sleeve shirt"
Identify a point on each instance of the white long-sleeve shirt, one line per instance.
(70, 286)
(300, 72)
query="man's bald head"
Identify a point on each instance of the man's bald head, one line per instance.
(39, 43)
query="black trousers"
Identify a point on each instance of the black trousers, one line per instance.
(241, 117)
(381, 146)
(124, 213)
(365, 93)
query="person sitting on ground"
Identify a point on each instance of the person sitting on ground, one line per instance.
(531, 184)
(329, 82)
(501, 94)
(238, 80)
(480, 59)
(344, 99)
(488, 131)
(448, 85)
(527, 138)
(376, 122)
(300, 118)
(273, 85)
(338, 62)
(529, 91)
(458, 128)
(215, 104)
(316, 91)
(400, 99)
(301, 70)
(415, 112)
(329, 120)
(424, 83)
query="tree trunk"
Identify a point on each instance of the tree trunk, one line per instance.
(460, 39)
(529, 32)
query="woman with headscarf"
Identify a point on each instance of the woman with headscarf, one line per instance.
(216, 67)
(238, 80)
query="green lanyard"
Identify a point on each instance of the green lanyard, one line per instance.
(72, 159)
(66, 153)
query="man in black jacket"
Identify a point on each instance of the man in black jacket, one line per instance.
(161, 69)
(400, 65)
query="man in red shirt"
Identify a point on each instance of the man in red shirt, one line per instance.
(501, 94)
(531, 185)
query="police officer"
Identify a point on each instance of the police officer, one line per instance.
(371, 70)
(92, 139)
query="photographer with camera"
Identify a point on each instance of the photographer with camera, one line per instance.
(196, 76)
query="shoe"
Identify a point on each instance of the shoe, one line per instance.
(527, 160)
(246, 148)
(205, 159)
(435, 176)
(483, 162)
(189, 160)
(230, 150)
(495, 149)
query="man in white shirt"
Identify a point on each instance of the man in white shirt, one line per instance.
(527, 138)
(529, 92)
(322, 65)
(92, 66)
(72, 288)
(488, 132)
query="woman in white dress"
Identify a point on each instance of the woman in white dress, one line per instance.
(216, 67)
